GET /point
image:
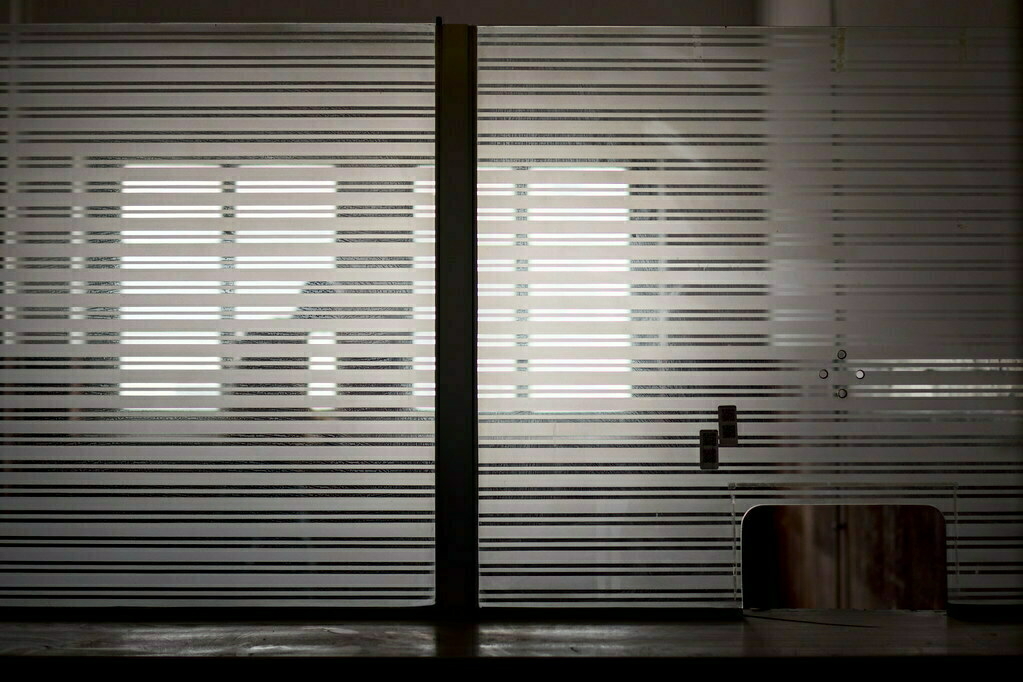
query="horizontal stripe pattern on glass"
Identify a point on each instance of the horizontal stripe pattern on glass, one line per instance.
(218, 293)
(818, 226)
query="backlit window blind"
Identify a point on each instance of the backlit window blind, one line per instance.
(218, 315)
(819, 227)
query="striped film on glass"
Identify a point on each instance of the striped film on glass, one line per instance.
(815, 231)
(218, 302)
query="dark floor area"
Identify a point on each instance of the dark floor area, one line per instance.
(774, 635)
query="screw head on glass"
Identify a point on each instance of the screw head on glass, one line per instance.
(842, 393)
(841, 355)
(823, 374)
(860, 374)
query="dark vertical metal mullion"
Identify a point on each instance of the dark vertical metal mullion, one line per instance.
(457, 497)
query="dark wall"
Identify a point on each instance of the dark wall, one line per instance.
(481, 12)
(539, 12)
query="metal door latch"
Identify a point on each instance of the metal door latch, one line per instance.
(728, 426)
(709, 449)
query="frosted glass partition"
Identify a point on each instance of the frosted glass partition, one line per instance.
(218, 316)
(817, 226)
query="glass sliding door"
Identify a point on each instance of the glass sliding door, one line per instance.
(218, 338)
(717, 268)
(800, 246)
